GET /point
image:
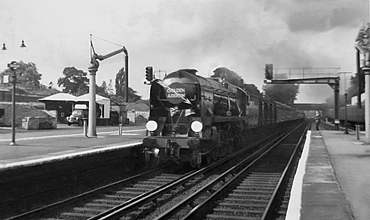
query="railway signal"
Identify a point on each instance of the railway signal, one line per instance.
(269, 71)
(149, 73)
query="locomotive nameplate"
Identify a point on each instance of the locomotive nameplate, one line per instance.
(176, 93)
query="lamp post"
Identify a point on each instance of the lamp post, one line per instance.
(345, 101)
(13, 67)
(345, 114)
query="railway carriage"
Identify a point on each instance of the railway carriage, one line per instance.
(355, 116)
(194, 119)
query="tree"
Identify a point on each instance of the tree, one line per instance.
(28, 76)
(121, 88)
(110, 90)
(330, 101)
(120, 82)
(74, 81)
(102, 90)
(284, 93)
(353, 88)
(252, 89)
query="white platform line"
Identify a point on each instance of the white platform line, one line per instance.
(295, 201)
(49, 158)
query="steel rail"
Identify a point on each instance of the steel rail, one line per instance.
(73, 199)
(269, 208)
(188, 201)
(123, 209)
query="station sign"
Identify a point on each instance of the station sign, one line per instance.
(14, 65)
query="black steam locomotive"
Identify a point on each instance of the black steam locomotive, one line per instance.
(194, 119)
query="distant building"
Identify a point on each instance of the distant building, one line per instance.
(138, 112)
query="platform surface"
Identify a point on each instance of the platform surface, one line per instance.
(33, 146)
(335, 178)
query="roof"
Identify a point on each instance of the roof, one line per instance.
(65, 97)
(86, 98)
(59, 97)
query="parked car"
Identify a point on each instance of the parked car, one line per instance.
(77, 117)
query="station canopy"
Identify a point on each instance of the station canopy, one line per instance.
(59, 97)
(99, 99)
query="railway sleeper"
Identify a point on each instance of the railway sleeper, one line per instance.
(252, 192)
(250, 186)
(164, 178)
(238, 212)
(129, 193)
(157, 181)
(134, 189)
(284, 207)
(70, 215)
(118, 198)
(146, 186)
(142, 183)
(244, 196)
(251, 201)
(253, 188)
(228, 217)
(265, 178)
(261, 173)
(108, 201)
(282, 213)
(242, 205)
(101, 205)
(86, 210)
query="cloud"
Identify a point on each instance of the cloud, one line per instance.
(319, 16)
(169, 34)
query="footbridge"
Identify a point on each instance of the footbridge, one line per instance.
(309, 106)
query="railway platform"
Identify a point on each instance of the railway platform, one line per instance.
(333, 178)
(38, 146)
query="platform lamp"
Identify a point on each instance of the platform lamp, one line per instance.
(345, 101)
(345, 114)
(13, 66)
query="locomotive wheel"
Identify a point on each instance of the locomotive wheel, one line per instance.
(187, 166)
(207, 159)
(213, 155)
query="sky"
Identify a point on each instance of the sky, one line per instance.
(169, 35)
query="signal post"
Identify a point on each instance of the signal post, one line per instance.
(333, 82)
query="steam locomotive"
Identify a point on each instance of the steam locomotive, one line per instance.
(194, 119)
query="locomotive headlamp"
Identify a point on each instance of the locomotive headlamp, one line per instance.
(151, 125)
(196, 126)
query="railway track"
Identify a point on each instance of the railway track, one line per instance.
(150, 195)
(97, 201)
(250, 190)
